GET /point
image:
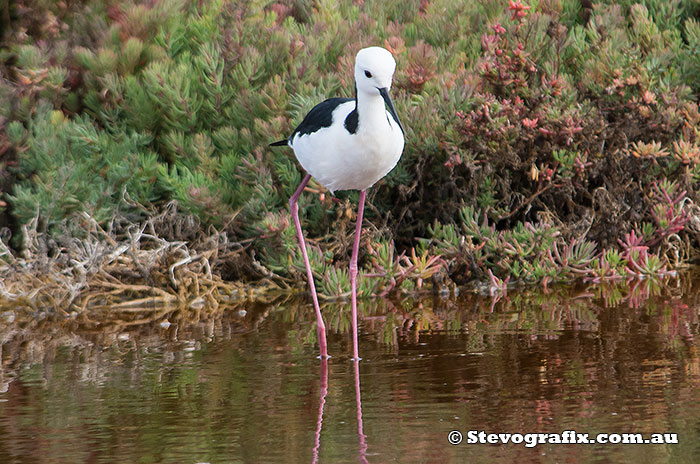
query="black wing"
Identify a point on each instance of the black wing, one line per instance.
(319, 117)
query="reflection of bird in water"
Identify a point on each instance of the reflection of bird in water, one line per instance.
(362, 452)
(321, 403)
(323, 390)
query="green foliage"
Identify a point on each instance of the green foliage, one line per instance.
(529, 128)
(71, 166)
(527, 253)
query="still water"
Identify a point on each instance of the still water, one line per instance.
(245, 385)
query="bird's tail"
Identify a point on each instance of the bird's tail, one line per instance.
(280, 143)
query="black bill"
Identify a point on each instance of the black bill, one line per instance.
(384, 92)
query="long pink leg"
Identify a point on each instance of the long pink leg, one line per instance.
(294, 208)
(353, 273)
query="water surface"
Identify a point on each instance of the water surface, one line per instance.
(247, 387)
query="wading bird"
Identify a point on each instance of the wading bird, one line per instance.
(349, 144)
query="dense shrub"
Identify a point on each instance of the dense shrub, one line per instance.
(556, 124)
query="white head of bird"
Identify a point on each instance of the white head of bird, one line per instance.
(374, 69)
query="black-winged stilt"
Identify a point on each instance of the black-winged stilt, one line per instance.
(349, 144)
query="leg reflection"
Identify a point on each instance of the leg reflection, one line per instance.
(321, 403)
(362, 454)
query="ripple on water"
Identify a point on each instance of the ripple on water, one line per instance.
(226, 393)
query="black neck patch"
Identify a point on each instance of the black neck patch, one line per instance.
(352, 119)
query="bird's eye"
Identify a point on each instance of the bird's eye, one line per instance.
(368, 74)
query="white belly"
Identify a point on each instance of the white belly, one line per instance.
(339, 160)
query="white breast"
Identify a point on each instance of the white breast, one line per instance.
(339, 160)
